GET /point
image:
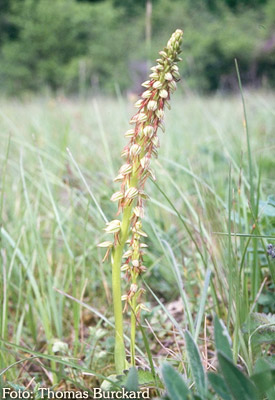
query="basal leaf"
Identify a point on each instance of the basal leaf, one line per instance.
(222, 338)
(218, 384)
(240, 386)
(132, 380)
(174, 383)
(264, 381)
(196, 365)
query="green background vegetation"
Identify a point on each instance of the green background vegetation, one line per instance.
(52, 217)
(210, 216)
(86, 46)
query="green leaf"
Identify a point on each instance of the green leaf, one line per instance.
(239, 385)
(261, 365)
(218, 384)
(271, 393)
(267, 208)
(264, 363)
(175, 385)
(132, 380)
(264, 337)
(222, 338)
(16, 386)
(263, 320)
(148, 378)
(196, 364)
(261, 327)
(112, 382)
(271, 200)
(264, 380)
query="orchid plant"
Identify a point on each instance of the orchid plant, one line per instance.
(127, 247)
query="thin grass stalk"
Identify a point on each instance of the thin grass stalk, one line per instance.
(245, 125)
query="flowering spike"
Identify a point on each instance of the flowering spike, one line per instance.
(143, 144)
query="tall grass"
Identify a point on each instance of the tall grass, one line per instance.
(204, 216)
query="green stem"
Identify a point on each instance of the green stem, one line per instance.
(133, 327)
(120, 355)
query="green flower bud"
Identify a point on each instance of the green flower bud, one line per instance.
(148, 130)
(146, 94)
(118, 178)
(138, 103)
(125, 169)
(131, 193)
(163, 54)
(157, 85)
(154, 75)
(130, 133)
(163, 93)
(172, 85)
(142, 117)
(127, 254)
(168, 76)
(117, 196)
(113, 226)
(135, 150)
(152, 105)
(108, 244)
(139, 212)
(146, 84)
(135, 263)
(124, 267)
(160, 114)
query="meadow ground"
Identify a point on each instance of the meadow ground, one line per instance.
(54, 205)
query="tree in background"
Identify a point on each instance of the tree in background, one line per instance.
(78, 45)
(213, 38)
(7, 29)
(49, 35)
(55, 39)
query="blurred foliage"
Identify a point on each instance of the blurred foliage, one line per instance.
(78, 46)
